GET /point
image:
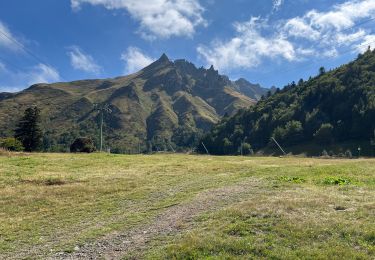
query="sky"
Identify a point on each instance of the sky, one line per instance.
(271, 42)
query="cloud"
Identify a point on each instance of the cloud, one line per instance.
(19, 80)
(157, 18)
(135, 60)
(294, 39)
(81, 61)
(2, 67)
(276, 4)
(7, 39)
(297, 27)
(248, 47)
(42, 73)
(369, 40)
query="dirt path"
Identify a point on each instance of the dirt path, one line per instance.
(173, 220)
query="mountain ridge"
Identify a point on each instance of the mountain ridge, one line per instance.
(168, 103)
(324, 112)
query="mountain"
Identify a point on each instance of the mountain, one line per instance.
(334, 110)
(167, 104)
(254, 91)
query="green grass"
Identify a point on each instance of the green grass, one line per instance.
(297, 208)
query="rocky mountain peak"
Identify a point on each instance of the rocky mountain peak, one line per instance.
(163, 58)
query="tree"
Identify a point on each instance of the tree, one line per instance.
(82, 145)
(324, 135)
(11, 144)
(28, 130)
(300, 82)
(246, 149)
(290, 134)
(322, 71)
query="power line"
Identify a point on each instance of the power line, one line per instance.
(359, 24)
(29, 52)
(10, 63)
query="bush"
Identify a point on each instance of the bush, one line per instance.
(325, 153)
(83, 145)
(11, 144)
(246, 149)
(348, 154)
(336, 181)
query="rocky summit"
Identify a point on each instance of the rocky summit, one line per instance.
(167, 105)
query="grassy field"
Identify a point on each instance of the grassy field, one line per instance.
(185, 207)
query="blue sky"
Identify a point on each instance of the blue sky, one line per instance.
(271, 42)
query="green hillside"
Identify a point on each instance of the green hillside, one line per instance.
(167, 104)
(333, 108)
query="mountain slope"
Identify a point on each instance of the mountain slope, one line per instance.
(254, 91)
(165, 104)
(332, 108)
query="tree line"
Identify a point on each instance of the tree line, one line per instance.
(28, 136)
(333, 107)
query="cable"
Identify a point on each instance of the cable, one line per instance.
(22, 47)
(10, 63)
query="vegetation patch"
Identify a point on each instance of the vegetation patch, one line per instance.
(292, 179)
(47, 181)
(337, 181)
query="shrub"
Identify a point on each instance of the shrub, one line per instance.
(325, 153)
(246, 149)
(82, 145)
(11, 144)
(292, 179)
(336, 181)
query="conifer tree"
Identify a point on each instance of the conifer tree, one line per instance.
(28, 130)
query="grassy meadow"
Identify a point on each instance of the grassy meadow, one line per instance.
(185, 207)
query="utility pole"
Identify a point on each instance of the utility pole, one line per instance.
(101, 131)
(101, 108)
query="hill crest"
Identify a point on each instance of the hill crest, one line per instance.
(168, 103)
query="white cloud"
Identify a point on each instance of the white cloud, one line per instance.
(82, 61)
(2, 67)
(248, 48)
(276, 4)
(19, 80)
(311, 35)
(135, 60)
(157, 18)
(297, 27)
(7, 39)
(42, 73)
(369, 40)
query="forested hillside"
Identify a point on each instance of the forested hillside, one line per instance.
(332, 108)
(167, 105)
